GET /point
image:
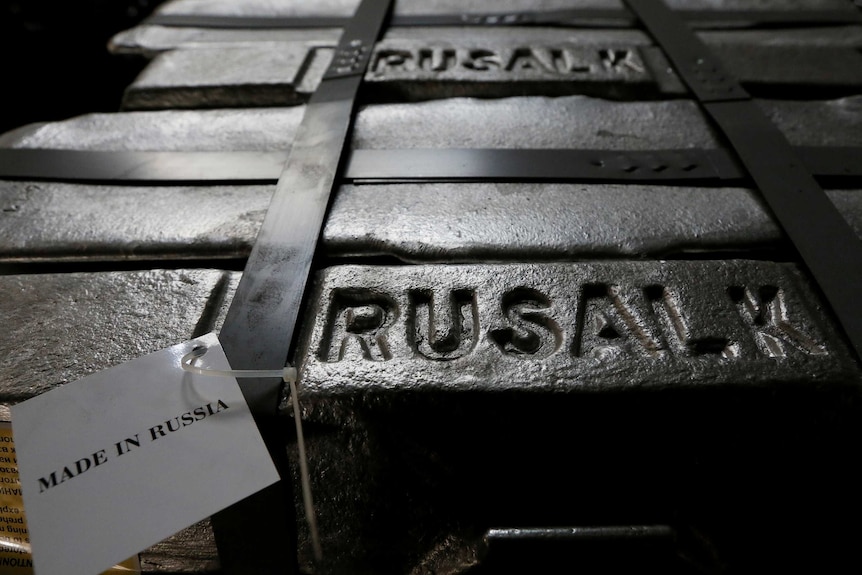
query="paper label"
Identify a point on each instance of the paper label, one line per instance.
(15, 556)
(115, 462)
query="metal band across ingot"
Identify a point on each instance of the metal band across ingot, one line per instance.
(412, 165)
(253, 536)
(824, 239)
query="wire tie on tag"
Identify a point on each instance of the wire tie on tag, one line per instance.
(289, 375)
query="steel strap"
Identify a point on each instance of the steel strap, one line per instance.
(573, 17)
(412, 165)
(714, 166)
(824, 239)
(253, 536)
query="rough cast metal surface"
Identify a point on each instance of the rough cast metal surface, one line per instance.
(594, 327)
(421, 384)
(492, 222)
(810, 37)
(530, 122)
(62, 327)
(414, 70)
(588, 123)
(346, 7)
(260, 129)
(421, 70)
(418, 69)
(192, 550)
(807, 216)
(151, 39)
(54, 221)
(713, 395)
(260, 74)
(415, 222)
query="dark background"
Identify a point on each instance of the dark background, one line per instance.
(55, 58)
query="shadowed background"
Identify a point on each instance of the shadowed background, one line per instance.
(55, 60)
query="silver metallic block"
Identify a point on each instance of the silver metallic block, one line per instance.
(541, 364)
(259, 74)
(62, 327)
(42, 221)
(268, 73)
(150, 39)
(413, 222)
(566, 328)
(448, 400)
(346, 7)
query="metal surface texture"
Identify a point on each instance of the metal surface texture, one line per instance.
(260, 129)
(411, 69)
(428, 222)
(267, 73)
(344, 8)
(52, 222)
(804, 212)
(259, 325)
(511, 123)
(479, 65)
(511, 222)
(566, 328)
(571, 17)
(70, 333)
(151, 40)
(444, 387)
(501, 371)
(281, 258)
(44, 222)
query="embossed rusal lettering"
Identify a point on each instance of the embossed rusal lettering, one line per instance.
(567, 62)
(531, 59)
(610, 322)
(443, 324)
(482, 60)
(765, 312)
(679, 336)
(620, 59)
(436, 59)
(357, 326)
(532, 333)
(393, 61)
(520, 61)
(605, 321)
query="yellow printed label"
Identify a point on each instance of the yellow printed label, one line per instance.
(15, 558)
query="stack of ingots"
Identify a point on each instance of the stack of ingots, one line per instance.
(497, 376)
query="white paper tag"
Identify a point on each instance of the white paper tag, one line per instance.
(115, 462)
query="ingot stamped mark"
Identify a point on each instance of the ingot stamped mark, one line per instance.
(444, 325)
(357, 327)
(393, 61)
(766, 313)
(601, 321)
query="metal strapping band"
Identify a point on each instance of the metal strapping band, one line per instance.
(254, 535)
(824, 239)
(719, 166)
(590, 17)
(411, 165)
